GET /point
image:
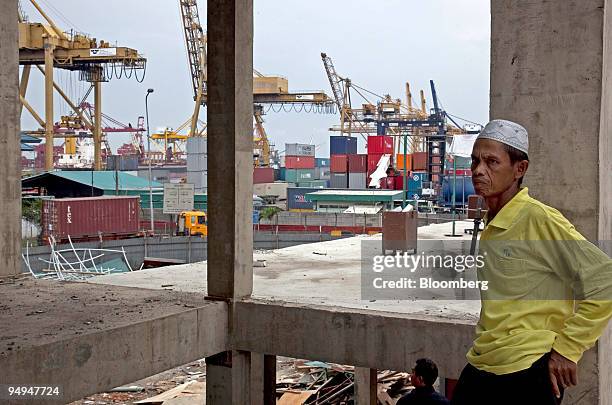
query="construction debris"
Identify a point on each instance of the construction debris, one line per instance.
(316, 383)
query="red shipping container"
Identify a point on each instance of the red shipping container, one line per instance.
(358, 163)
(373, 160)
(419, 161)
(338, 164)
(90, 216)
(299, 162)
(263, 175)
(378, 144)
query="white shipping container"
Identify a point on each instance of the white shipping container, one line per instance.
(197, 162)
(299, 149)
(197, 145)
(199, 181)
(322, 173)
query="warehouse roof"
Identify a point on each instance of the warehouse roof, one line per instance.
(355, 195)
(104, 182)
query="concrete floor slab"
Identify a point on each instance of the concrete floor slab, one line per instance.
(325, 273)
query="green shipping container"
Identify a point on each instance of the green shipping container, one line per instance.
(299, 175)
(314, 184)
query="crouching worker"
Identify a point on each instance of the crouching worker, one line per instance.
(423, 377)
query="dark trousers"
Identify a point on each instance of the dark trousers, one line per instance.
(526, 387)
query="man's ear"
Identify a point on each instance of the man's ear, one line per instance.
(521, 168)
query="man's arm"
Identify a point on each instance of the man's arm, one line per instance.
(589, 269)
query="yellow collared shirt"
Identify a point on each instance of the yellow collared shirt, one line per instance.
(549, 288)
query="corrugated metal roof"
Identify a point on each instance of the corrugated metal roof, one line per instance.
(355, 195)
(103, 180)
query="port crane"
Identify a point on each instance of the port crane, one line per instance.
(45, 44)
(424, 131)
(270, 91)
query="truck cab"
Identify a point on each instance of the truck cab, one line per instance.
(192, 223)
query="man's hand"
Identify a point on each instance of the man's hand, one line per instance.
(562, 372)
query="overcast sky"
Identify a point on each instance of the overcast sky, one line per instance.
(378, 44)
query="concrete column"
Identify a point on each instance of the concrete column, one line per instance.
(230, 232)
(230, 128)
(10, 166)
(48, 105)
(550, 71)
(97, 133)
(365, 386)
(263, 379)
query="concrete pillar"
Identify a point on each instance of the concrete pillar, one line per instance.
(48, 105)
(97, 133)
(263, 379)
(230, 128)
(365, 386)
(551, 67)
(10, 166)
(230, 232)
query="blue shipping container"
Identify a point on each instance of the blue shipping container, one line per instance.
(321, 162)
(282, 174)
(342, 145)
(296, 198)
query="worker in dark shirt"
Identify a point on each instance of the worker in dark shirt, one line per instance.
(423, 376)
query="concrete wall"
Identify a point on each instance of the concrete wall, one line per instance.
(190, 250)
(550, 71)
(10, 166)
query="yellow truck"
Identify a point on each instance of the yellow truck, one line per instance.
(192, 223)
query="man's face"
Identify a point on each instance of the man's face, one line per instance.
(492, 171)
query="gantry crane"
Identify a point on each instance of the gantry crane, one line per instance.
(390, 117)
(267, 90)
(96, 62)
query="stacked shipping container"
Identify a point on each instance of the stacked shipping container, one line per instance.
(299, 162)
(358, 171)
(341, 148)
(379, 145)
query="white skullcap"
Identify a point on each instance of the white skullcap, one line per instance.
(506, 132)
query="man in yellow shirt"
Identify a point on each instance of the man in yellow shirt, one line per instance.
(550, 290)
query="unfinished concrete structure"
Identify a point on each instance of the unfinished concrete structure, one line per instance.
(550, 68)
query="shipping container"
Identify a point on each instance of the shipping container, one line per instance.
(122, 163)
(263, 175)
(342, 145)
(373, 160)
(338, 164)
(270, 85)
(299, 175)
(313, 184)
(322, 173)
(199, 181)
(282, 174)
(415, 182)
(399, 161)
(379, 144)
(296, 198)
(197, 162)
(197, 145)
(299, 162)
(357, 181)
(419, 161)
(299, 149)
(276, 189)
(339, 180)
(321, 162)
(358, 163)
(90, 217)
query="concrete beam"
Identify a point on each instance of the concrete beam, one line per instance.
(97, 362)
(230, 127)
(10, 149)
(371, 339)
(559, 87)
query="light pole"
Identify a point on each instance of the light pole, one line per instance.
(149, 91)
